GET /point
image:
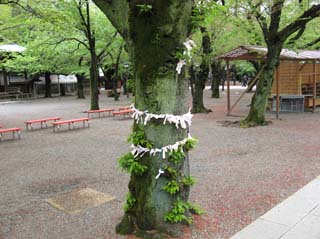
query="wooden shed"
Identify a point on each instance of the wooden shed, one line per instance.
(296, 82)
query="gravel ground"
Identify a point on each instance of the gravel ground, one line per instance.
(241, 173)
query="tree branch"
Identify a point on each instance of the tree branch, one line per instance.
(300, 22)
(261, 19)
(107, 45)
(312, 43)
(117, 12)
(276, 10)
(297, 37)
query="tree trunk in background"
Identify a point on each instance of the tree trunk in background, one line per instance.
(116, 75)
(200, 80)
(80, 88)
(256, 115)
(47, 84)
(156, 32)
(62, 90)
(5, 80)
(217, 76)
(94, 79)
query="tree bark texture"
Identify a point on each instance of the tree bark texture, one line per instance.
(154, 36)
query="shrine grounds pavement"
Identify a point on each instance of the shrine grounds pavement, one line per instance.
(241, 173)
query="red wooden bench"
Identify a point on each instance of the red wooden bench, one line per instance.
(57, 124)
(13, 130)
(41, 121)
(122, 112)
(124, 108)
(89, 112)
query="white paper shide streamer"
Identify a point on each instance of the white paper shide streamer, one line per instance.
(183, 121)
(189, 45)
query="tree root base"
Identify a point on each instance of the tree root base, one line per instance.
(127, 227)
(200, 110)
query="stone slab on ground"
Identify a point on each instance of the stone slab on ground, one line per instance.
(79, 200)
(297, 217)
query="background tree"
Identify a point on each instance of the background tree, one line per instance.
(275, 33)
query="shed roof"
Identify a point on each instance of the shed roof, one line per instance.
(11, 48)
(259, 53)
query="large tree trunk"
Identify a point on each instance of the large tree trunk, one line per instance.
(256, 115)
(47, 84)
(157, 32)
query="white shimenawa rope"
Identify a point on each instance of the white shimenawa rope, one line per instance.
(183, 121)
(139, 151)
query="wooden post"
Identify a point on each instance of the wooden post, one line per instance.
(314, 86)
(277, 93)
(228, 87)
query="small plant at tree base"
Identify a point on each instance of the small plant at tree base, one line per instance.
(130, 201)
(131, 165)
(171, 187)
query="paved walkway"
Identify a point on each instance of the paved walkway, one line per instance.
(298, 217)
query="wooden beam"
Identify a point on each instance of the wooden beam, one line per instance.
(277, 93)
(228, 88)
(314, 87)
(246, 91)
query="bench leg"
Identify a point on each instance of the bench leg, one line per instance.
(88, 123)
(0, 137)
(19, 136)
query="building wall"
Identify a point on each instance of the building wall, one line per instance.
(294, 77)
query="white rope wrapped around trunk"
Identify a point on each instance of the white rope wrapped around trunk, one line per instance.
(139, 151)
(183, 121)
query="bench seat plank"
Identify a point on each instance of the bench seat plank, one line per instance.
(13, 130)
(99, 111)
(122, 112)
(69, 122)
(30, 122)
